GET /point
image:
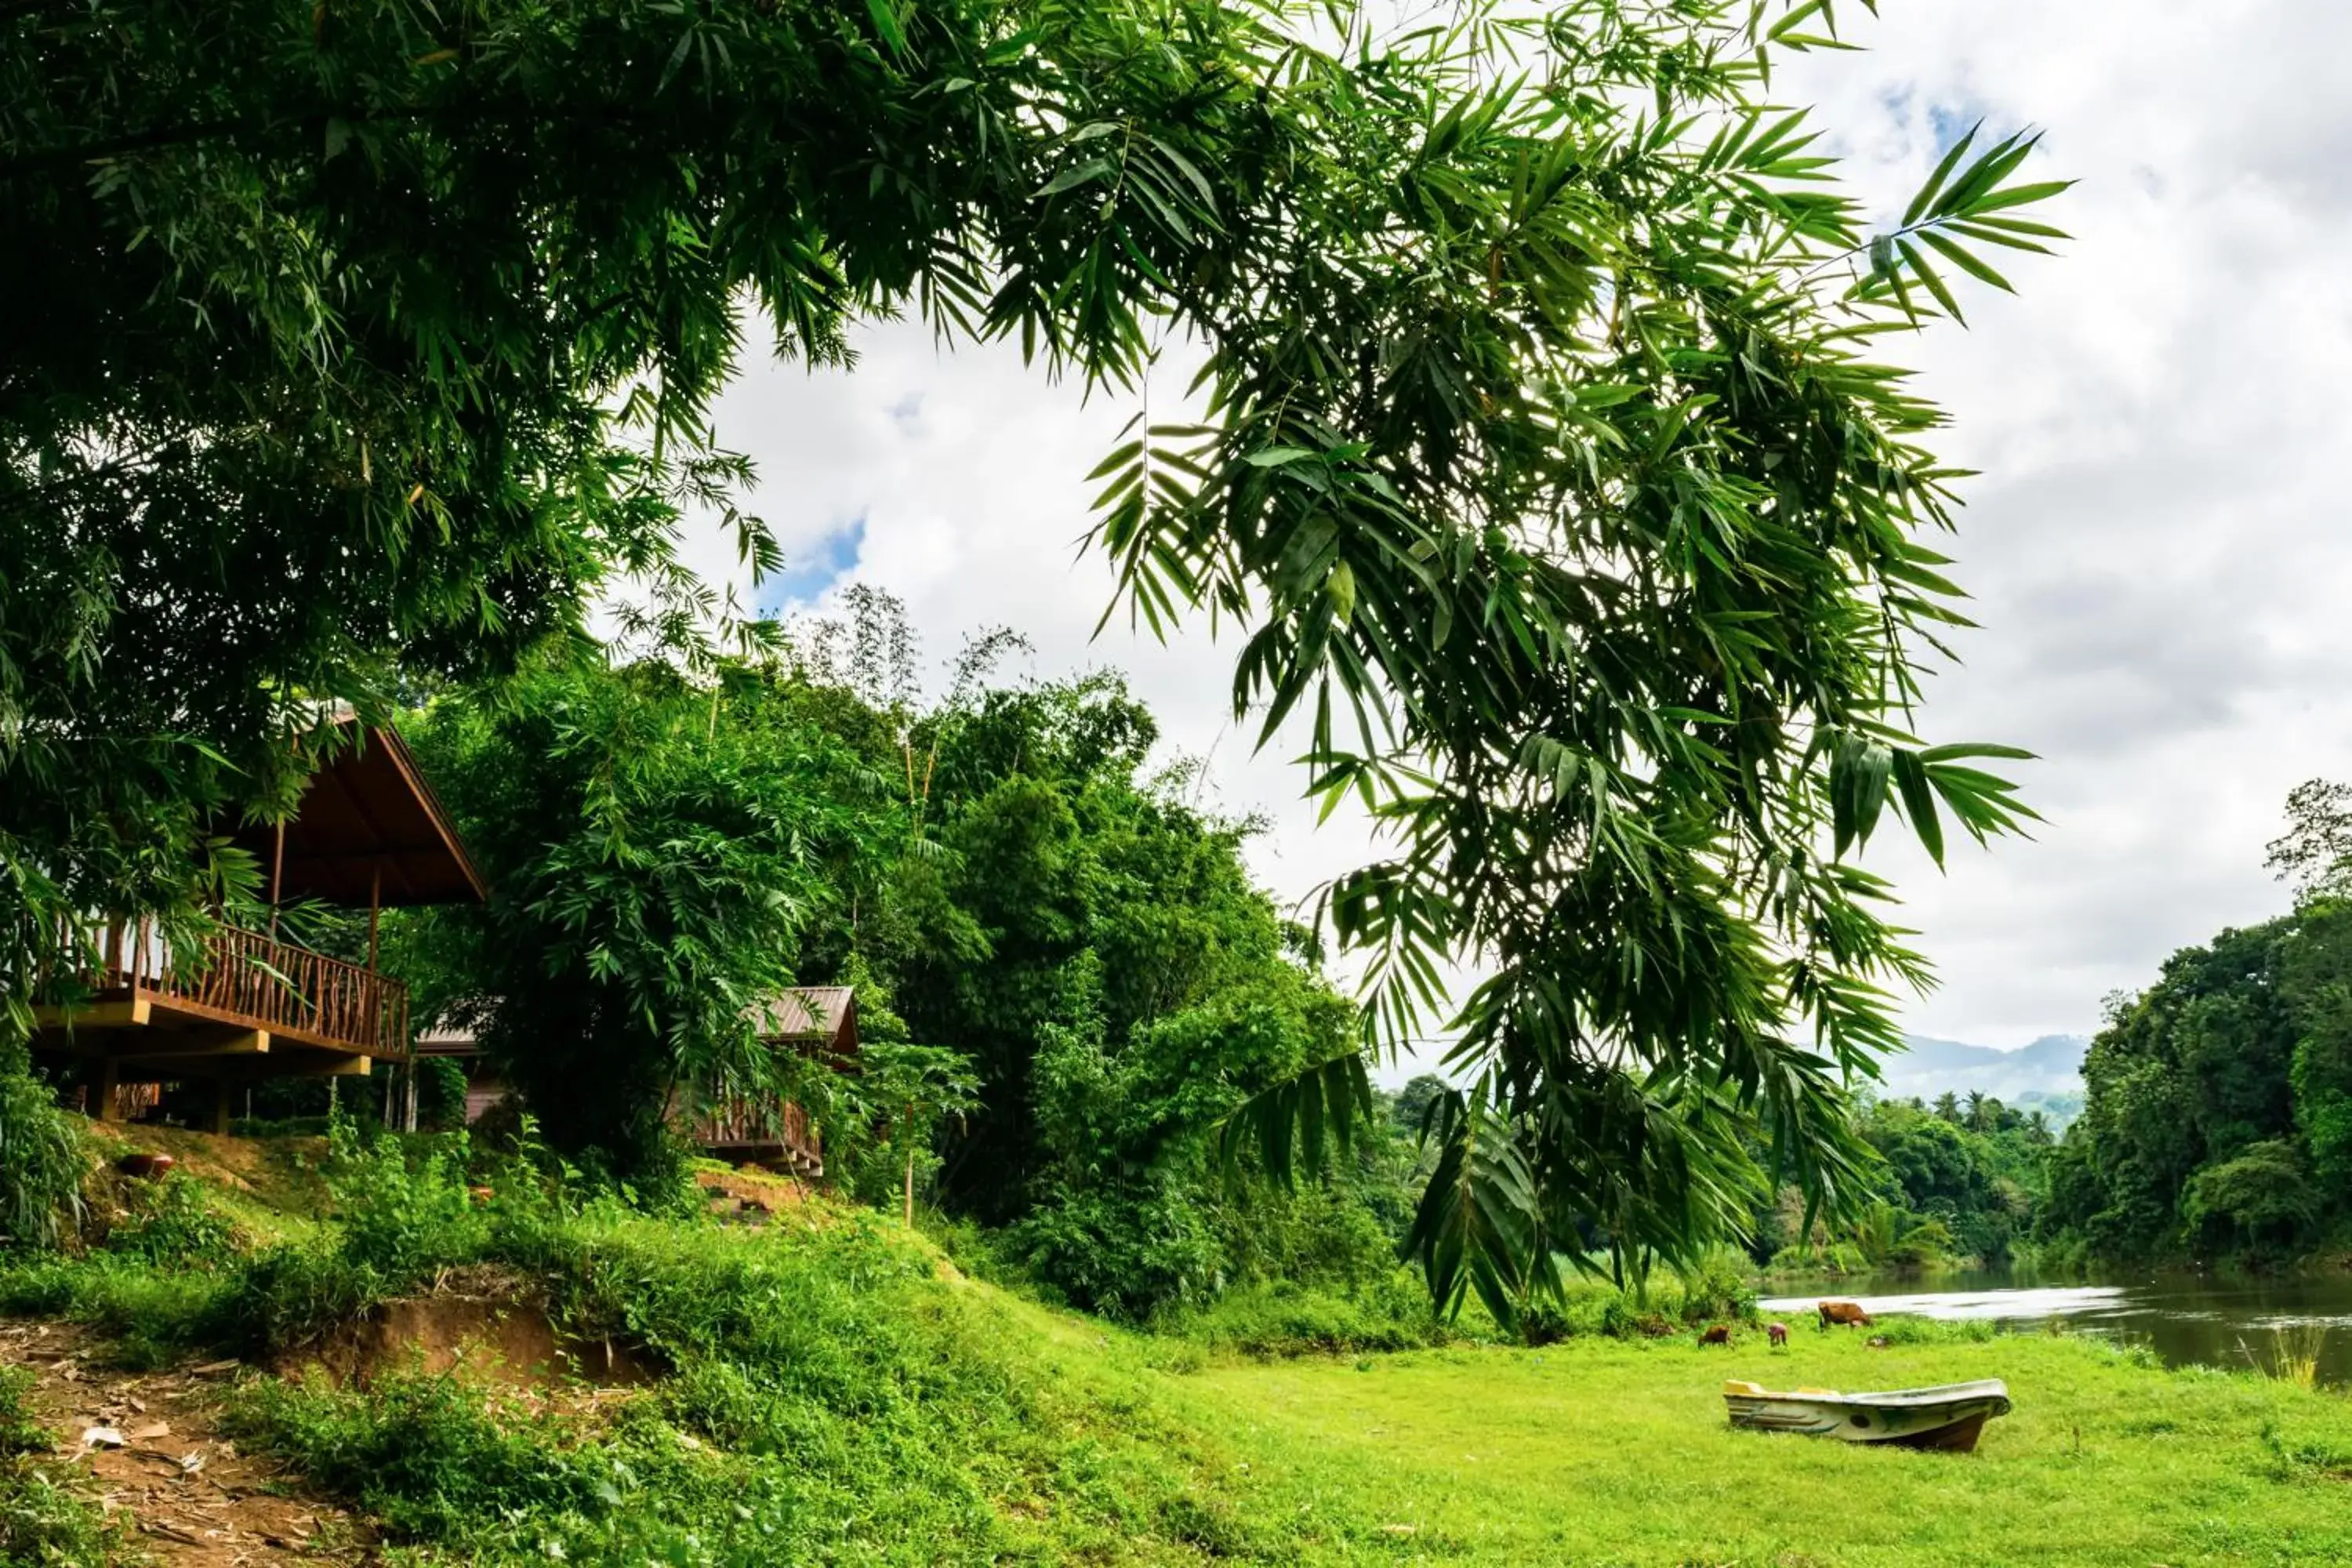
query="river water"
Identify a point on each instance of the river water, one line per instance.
(2215, 1319)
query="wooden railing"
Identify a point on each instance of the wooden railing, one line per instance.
(244, 977)
(750, 1121)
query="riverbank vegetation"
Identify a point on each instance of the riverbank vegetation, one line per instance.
(1959, 1181)
(2218, 1121)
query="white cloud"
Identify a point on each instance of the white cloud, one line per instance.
(2155, 546)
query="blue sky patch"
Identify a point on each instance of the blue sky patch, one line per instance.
(1949, 123)
(813, 568)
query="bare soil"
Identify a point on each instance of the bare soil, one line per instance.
(191, 1497)
(484, 1325)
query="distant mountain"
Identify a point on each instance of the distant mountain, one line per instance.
(2049, 1069)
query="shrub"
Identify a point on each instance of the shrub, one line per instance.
(1904, 1329)
(42, 1161)
(19, 1433)
(1716, 1289)
(436, 1460)
(1119, 1254)
(171, 1223)
(46, 1520)
(152, 1314)
(2260, 1200)
(440, 1093)
(1930, 1241)
(405, 1206)
(1285, 1318)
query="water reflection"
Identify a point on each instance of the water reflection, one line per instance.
(2213, 1319)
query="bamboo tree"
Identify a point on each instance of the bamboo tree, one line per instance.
(1546, 460)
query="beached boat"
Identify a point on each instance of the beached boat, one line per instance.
(1949, 1415)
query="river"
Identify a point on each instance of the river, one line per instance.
(2213, 1319)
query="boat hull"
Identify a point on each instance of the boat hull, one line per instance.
(1950, 1417)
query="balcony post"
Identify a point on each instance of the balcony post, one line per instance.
(277, 878)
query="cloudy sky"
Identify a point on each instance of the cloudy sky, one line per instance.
(2155, 546)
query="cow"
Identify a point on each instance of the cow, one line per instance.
(1718, 1335)
(1779, 1334)
(1850, 1313)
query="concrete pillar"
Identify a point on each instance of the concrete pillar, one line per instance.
(104, 1076)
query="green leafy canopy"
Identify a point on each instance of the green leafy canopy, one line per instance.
(1543, 455)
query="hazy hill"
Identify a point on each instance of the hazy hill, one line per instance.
(2050, 1069)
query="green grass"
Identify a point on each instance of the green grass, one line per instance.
(1606, 1452)
(47, 1512)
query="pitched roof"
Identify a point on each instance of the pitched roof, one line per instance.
(813, 1015)
(367, 819)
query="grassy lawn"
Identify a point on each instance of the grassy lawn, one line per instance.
(1602, 1452)
(838, 1393)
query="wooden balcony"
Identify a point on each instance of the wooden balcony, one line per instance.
(775, 1132)
(245, 992)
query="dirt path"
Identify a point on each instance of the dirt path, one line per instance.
(192, 1498)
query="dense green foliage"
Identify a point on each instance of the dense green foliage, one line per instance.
(2218, 1121)
(51, 1521)
(1066, 975)
(42, 1161)
(1095, 941)
(1959, 1180)
(19, 1433)
(654, 851)
(1540, 458)
(2215, 1115)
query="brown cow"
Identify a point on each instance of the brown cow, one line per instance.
(1718, 1335)
(1779, 1334)
(1850, 1313)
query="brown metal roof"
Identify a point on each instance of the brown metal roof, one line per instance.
(813, 1015)
(369, 814)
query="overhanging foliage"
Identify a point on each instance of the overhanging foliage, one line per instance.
(1543, 455)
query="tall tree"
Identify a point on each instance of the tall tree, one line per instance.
(1542, 456)
(656, 854)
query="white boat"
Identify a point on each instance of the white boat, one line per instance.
(1949, 1415)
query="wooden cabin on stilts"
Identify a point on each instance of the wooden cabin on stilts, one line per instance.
(252, 1004)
